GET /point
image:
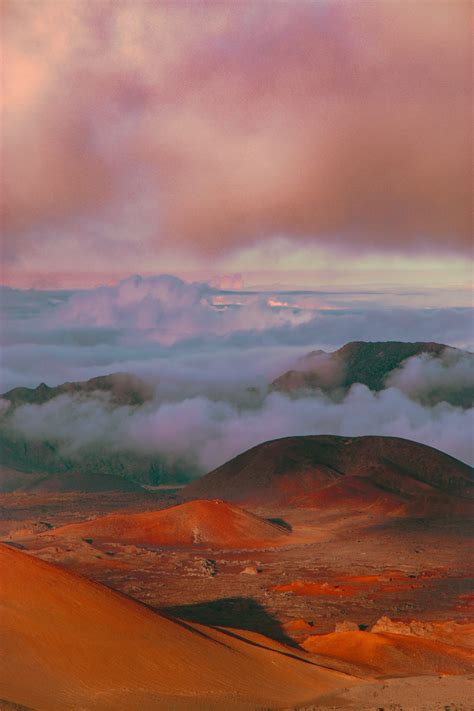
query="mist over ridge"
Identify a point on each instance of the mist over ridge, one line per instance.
(195, 364)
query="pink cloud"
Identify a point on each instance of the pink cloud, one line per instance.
(326, 121)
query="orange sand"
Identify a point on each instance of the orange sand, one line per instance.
(67, 643)
(206, 523)
(392, 654)
(349, 585)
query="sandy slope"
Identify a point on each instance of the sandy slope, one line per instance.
(67, 643)
(213, 523)
(392, 654)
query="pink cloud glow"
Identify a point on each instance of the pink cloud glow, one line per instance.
(226, 124)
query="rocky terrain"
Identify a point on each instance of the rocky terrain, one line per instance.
(339, 596)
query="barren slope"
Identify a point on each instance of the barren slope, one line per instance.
(213, 523)
(327, 471)
(67, 643)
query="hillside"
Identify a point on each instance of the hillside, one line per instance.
(326, 470)
(70, 643)
(204, 523)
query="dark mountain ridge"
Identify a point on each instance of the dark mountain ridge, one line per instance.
(370, 364)
(122, 388)
(295, 470)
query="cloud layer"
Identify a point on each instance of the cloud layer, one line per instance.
(197, 339)
(210, 354)
(201, 434)
(428, 380)
(216, 126)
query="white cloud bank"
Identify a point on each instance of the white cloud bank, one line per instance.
(188, 333)
(206, 433)
(203, 347)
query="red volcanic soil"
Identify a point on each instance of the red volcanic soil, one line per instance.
(349, 585)
(392, 654)
(206, 523)
(68, 643)
(325, 471)
(312, 589)
(466, 602)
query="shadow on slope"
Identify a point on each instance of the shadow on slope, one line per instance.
(242, 613)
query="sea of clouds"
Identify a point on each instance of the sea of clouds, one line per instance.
(210, 354)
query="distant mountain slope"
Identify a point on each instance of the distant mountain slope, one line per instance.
(12, 479)
(37, 482)
(27, 454)
(207, 523)
(367, 363)
(69, 643)
(80, 481)
(122, 388)
(325, 470)
(46, 457)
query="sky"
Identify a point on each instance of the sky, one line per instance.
(304, 144)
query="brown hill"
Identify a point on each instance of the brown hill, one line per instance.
(327, 471)
(369, 364)
(206, 523)
(122, 388)
(68, 643)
